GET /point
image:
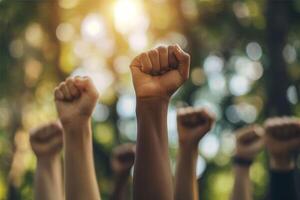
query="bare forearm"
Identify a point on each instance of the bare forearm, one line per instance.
(80, 174)
(152, 175)
(120, 187)
(48, 179)
(185, 178)
(242, 189)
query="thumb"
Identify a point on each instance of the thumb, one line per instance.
(136, 66)
(184, 61)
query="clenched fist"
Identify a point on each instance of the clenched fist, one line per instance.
(193, 124)
(249, 142)
(75, 99)
(123, 159)
(282, 139)
(47, 140)
(160, 72)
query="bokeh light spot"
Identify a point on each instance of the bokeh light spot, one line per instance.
(200, 166)
(292, 95)
(34, 35)
(239, 85)
(209, 146)
(213, 64)
(254, 51)
(126, 106)
(289, 53)
(65, 32)
(93, 27)
(68, 4)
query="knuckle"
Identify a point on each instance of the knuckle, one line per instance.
(69, 79)
(61, 85)
(143, 56)
(162, 49)
(153, 52)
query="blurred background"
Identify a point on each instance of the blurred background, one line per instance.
(245, 68)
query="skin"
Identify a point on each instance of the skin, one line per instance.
(282, 140)
(122, 162)
(75, 100)
(46, 142)
(192, 125)
(155, 80)
(249, 143)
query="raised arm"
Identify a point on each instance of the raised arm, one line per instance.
(282, 140)
(75, 101)
(192, 125)
(249, 143)
(46, 142)
(122, 162)
(155, 80)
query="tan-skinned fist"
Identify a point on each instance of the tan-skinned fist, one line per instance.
(123, 159)
(282, 140)
(160, 72)
(193, 124)
(249, 142)
(47, 140)
(75, 99)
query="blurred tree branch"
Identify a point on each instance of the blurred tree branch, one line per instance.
(277, 16)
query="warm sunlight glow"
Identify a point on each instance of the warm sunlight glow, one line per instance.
(128, 16)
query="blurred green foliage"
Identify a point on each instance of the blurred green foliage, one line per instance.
(236, 71)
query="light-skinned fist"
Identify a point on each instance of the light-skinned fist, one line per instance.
(75, 100)
(282, 140)
(160, 72)
(193, 124)
(123, 159)
(47, 140)
(249, 142)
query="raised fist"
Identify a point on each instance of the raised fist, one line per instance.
(282, 137)
(75, 98)
(249, 142)
(160, 72)
(47, 140)
(193, 124)
(123, 158)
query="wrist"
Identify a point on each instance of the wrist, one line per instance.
(76, 121)
(48, 161)
(284, 163)
(191, 147)
(188, 153)
(78, 136)
(156, 107)
(156, 99)
(122, 176)
(241, 170)
(78, 125)
(242, 162)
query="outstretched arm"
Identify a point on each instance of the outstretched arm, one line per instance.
(192, 125)
(122, 162)
(155, 80)
(248, 144)
(152, 175)
(48, 179)
(242, 188)
(75, 102)
(46, 142)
